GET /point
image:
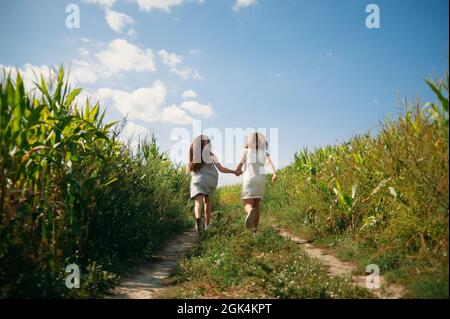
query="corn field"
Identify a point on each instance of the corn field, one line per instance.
(384, 197)
(71, 192)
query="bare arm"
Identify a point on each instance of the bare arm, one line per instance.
(224, 169)
(271, 168)
(221, 168)
(240, 165)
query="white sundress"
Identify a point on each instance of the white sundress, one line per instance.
(254, 181)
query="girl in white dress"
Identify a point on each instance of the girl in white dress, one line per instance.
(256, 158)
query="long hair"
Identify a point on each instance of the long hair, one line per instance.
(257, 141)
(196, 156)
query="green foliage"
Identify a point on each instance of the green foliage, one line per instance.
(389, 192)
(70, 192)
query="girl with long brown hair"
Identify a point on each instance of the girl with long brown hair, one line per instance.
(203, 166)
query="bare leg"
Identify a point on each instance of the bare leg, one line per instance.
(208, 209)
(249, 205)
(198, 206)
(258, 213)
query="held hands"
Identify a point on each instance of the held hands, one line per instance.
(238, 172)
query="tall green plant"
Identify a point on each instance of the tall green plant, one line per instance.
(70, 191)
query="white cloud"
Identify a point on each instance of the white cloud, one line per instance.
(84, 52)
(30, 74)
(173, 114)
(142, 104)
(82, 72)
(243, 4)
(120, 55)
(103, 3)
(90, 67)
(197, 108)
(145, 104)
(187, 73)
(148, 5)
(173, 61)
(133, 131)
(85, 95)
(165, 5)
(118, 20)
(170, 59)
(190, 94)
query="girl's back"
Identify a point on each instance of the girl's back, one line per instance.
(208, 172)
(254, 162)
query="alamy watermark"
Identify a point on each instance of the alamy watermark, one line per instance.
(73, 279)
(373, 279)
(373, 20)
(227, 144)
(73, 17)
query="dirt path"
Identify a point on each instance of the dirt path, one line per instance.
(337, 267)
(148, 281)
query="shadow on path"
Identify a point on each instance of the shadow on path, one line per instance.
(148, 280)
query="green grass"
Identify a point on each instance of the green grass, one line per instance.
(380, 199)
(229, 262)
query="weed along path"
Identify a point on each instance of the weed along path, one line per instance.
(147, 282)
(337, 267)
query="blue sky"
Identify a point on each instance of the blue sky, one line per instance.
(309, 68)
